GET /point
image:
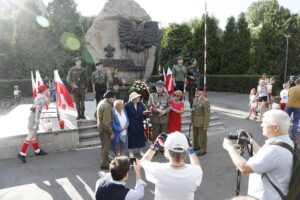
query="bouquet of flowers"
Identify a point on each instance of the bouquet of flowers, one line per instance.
(141, 88)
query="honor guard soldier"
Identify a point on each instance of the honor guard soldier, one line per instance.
(179, 73)
(160, 107)
(77, 79)
(193, 76)
(99, 82)
(200, 120)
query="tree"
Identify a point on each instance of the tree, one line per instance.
(176, 40)
(267, 24)
(230, 48)
(244, 44)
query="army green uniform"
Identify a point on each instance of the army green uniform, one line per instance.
(104, 124)
(79, 77)
(159, 123)
(200, 121)
(179, 73)
(99, 80)
(193, 83)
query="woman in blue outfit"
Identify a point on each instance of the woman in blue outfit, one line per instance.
(136, 137)
(119, 126)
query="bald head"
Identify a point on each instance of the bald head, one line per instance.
(278, 117)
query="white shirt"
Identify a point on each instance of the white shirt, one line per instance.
(277, 162)
(136, 194)
(173, 184)
(122, 119)
(284, 95)
(262, 90)
(275, 106)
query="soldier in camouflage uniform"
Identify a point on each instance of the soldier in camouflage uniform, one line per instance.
(160, 107)
(77, 79)
(200, 119)
(179, 73)
(99, 82)
(193, 76)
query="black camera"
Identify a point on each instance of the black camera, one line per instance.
(132, 160)
(240, 136)
(160, 140)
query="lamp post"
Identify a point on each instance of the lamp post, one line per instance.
(286, 54)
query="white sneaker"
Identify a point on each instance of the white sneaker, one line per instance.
(142, 153)
(131, 154)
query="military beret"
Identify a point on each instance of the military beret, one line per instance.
(179, 58)
(109, 94)
(77, 58)
(160, 83)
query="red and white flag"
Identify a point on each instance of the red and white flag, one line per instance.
(169, 82)
(34, 93)
(64, 98)
(39, 80)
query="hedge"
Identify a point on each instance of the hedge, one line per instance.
(219, 83)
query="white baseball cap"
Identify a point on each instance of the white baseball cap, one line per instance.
(177, 142)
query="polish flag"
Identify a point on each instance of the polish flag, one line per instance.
(39, 80)
(169, 82)
(64, 98)
(34, 93)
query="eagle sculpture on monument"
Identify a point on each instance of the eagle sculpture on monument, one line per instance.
(137, 36)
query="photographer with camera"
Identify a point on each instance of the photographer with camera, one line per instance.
(271, 162)
(112, 186)
(175, 179)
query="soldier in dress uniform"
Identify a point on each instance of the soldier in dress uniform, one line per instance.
(193, 76)
(99, 82)
(104, 125)
(159, 106)
(179, 73)
(77, 79)
(200, 119)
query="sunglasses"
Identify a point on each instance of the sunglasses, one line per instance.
(177, 95)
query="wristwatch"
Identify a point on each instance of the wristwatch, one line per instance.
(154, 147)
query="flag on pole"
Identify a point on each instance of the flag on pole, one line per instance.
(34, 92)
(64, 98)
(164, 74)
(39, 80)
(169, 82)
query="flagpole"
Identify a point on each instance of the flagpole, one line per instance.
(205, 47)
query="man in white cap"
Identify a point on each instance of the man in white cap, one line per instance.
(175, 179)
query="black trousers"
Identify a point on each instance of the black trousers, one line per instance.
(179, 86)
(100, 89)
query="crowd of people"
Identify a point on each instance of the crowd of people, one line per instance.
(288, 100)
(120, 126)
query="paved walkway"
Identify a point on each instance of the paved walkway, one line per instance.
(72, 175)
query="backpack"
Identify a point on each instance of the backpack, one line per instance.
(294, 185)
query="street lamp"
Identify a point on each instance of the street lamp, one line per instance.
(286, 54)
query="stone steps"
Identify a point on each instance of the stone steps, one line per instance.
(89, 135)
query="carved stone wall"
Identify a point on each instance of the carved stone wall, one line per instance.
(103, 40)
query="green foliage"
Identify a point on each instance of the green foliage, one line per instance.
(176, 40)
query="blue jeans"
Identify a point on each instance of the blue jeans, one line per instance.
(296, 118)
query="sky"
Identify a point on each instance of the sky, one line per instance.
(178, 11)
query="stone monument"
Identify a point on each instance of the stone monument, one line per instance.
(124, 38)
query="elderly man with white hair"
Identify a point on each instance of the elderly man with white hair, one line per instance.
(269, 162)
